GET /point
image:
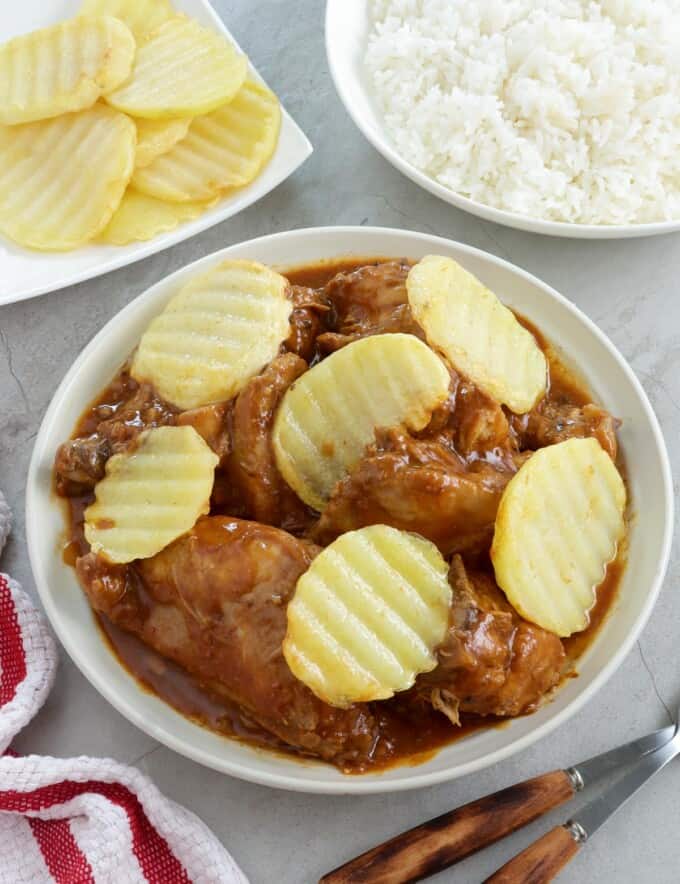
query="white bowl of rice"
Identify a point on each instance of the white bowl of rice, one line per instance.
(559, 117)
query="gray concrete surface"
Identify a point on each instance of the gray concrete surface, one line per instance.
(630, 288)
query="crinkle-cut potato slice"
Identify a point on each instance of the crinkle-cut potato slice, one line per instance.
(368, 615)
(140, 217)
(63, 68)
(151, 495)
(141, 16)
(61, 180)
(224, 149)
(478, 335)
(156, 137)
(181, 70)
(329, 416)
(558, 526)
(215, 334)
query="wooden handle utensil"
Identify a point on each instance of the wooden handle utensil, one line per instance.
(541, 862)
(451, 837)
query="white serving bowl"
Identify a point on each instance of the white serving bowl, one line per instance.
(582, 344)
(347, 30)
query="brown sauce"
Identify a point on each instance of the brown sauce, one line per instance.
(412, 741)
(607, 591)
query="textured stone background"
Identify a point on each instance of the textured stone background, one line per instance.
(629, 288)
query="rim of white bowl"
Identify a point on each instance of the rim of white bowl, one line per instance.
(351, 784)
(381, 142)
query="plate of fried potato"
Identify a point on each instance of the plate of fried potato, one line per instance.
(125, 127)
(198, 336)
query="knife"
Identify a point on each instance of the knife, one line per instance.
(544, 859)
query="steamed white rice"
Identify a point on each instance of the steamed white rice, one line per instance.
(567, 110)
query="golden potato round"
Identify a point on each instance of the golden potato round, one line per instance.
(217, 332)
(140, 217)
(156, 137)
(329, 416)
(558, 526)
(63, 68)
(224, 149)
(61, 180)
(368, 615)
(181, 70)
(141, 16)
(151, 495)
(478, 335)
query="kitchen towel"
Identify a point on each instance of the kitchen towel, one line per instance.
(82, 820)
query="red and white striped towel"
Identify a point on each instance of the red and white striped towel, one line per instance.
(82, 820)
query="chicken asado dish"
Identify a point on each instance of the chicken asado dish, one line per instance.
(202, 621)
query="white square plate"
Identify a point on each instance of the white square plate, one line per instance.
(26, 273)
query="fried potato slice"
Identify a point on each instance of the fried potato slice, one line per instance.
(156, 137)
(215, 334)
(558, 526)
(224, 149)
(329, 416)
(61, 180)
(368, 615)
(63, 68)
(478, 335)
(181, 70)
(141, 16)
(140, 217)
(151, 495)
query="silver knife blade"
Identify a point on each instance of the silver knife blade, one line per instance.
(600, 809)
(601, 765)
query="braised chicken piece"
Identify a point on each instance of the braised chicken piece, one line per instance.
(142, 409)
(211, 423)
(80, 463)
(252, 467)
(130, 408)
(214, 601)
(469, 422)
(492, 662)
(552, 422)
(306, 321)
(418, 485)
(368, 301)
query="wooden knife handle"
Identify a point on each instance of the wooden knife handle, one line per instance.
(541, 862)
(449, 838)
